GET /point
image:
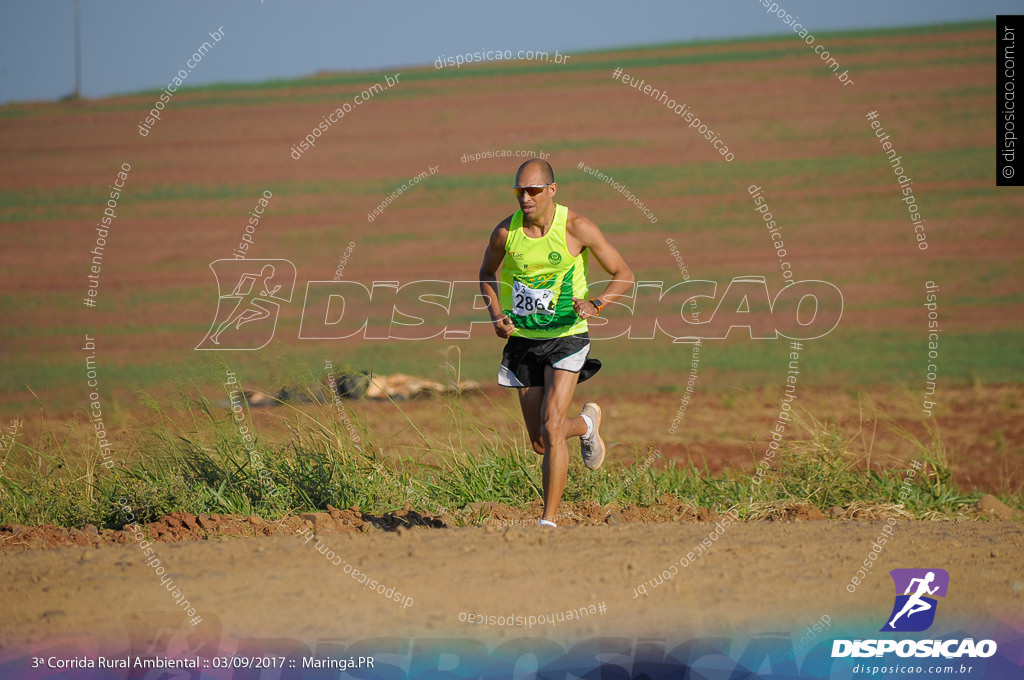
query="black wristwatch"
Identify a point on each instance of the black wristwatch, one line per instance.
(597, 303)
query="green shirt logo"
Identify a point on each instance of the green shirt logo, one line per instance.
(554, 258)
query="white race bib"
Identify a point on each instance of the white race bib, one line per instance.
(527, 301)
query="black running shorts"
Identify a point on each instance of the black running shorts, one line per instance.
(523, 359)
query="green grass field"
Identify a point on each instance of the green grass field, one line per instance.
(195, 459)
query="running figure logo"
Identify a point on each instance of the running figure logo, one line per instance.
(251, 302)
(914, 610)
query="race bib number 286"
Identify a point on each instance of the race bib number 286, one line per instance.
(526, 300)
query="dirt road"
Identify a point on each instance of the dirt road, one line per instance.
(758, 576)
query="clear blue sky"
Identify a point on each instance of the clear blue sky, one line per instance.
(132, 45)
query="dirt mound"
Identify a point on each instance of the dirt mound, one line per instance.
(668, 508)
(183, 526)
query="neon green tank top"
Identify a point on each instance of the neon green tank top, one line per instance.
(539, 279)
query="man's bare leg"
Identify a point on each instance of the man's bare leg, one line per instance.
(531, 402)
(559, 387)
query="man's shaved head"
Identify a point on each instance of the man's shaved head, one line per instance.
(547, 175)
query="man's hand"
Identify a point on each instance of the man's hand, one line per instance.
(584, 308)
(503, 327)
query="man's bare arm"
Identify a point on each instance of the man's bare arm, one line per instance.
(608, 256)
(493, 257)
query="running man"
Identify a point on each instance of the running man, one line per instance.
(914, 603)
(542, 309)
(250, 306)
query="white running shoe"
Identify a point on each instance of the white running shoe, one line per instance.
(592, 447)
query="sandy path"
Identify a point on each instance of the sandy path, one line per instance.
(764, 576)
